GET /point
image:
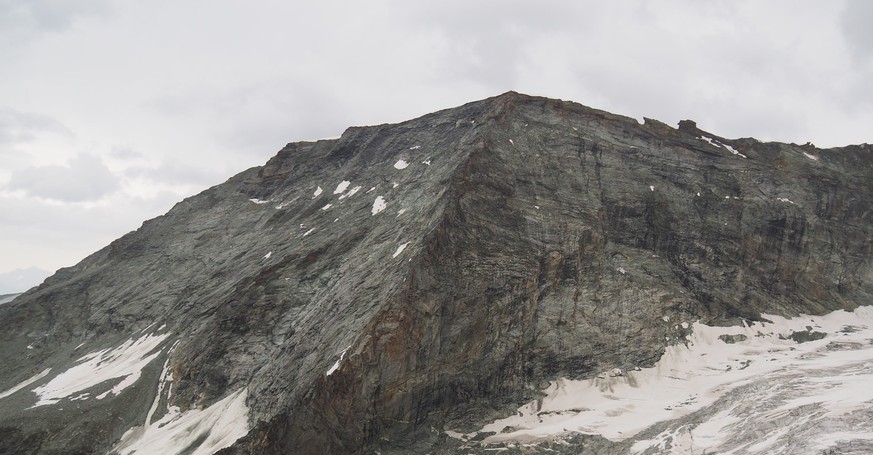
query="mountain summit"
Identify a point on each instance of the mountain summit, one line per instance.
(403, 287)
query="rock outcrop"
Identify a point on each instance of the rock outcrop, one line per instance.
(373, 292)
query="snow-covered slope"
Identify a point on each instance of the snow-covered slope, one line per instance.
(794, 385)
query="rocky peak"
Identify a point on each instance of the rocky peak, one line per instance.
(376, 291)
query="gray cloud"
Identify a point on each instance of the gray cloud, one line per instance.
(16, 126)
(85, 179)
(59, 235)
(172, 172)
(857, 26)
(23, 20)
(125, 153)
(260, 118)
(220, 89)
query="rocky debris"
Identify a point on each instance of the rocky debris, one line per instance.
(372, 292)
(733, 338)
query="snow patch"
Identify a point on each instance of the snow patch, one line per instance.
(342, 187)
(25, 383)
(379, 205)
(785, 200)
(327, 206)
(399, 250)
(716, 143)
(415, 147)
(308, 232)
(395, 185)
(426, 162)
(400, 164)
(351, 192)
(338, 362)
(204, 430)
(810, 156)
(651, 187)
(733, 150)
(259, 201)
(317, 192)
(125, 361)
(267, 256)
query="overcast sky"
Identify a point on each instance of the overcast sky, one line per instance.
(113, 110)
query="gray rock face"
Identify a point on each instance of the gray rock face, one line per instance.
(370, 292)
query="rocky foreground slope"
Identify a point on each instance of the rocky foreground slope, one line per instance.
(400, 288)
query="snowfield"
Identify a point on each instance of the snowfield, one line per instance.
(795, 385)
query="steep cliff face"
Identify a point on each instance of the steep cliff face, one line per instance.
(378, 290)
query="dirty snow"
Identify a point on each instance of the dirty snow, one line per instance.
(342, 187)
(400, 164)
(25, 383)
(399, 250)
(125, 362)
(379, 205)
(722, 397)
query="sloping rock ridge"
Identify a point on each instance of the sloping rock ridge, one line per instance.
(408, 288)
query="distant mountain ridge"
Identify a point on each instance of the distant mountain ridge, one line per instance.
(20, 280)
(403, 287)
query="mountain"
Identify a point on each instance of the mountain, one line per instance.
(20, 280)
(409, 288)
(7, 298)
